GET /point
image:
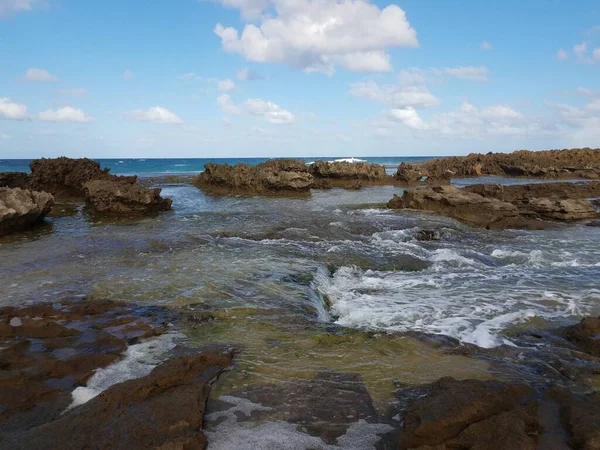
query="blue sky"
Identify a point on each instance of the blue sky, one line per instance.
(229, 78)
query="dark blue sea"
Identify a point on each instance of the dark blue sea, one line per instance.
(156, 166)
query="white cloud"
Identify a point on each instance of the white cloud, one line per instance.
(190, 76)
(128, 75)
(271, 112)
(156, 114)
(247, 74)
(226, 85)
(468, 73)
(39, 75)
(250, 9)
(397, 96)
(584, 55)
(227, 106)
(318, 35)
(409, 117)
(77, 92)
(66, 114)
(9, 7)
(11, 110)
(561, 54)
(485, 45)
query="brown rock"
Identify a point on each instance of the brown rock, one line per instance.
(114, 197)
(470, 414)
(521, 193)
(585, 335)
(408, 173)
(564, 210)
(163, 410)
(20, 209)
(65, 177)
(14, 180)
(348, 171)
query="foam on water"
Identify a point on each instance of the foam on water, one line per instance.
(230, 434)
(138, 361)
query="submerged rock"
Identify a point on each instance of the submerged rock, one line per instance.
(14, 180)
(65, 178)
(114, 197)
(343, 170)
(428, 235)
(283, 175)
(585, 335)
(163, 410)
(470, 414)
(20, 209)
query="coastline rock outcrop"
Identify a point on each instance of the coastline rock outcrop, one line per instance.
(284, 175)
(585, 335)
(114, 197)
(343, 170)
(471, 414)
(164, 410)
(14, 180)
(65, 178)
(571, 163)
(20, 208)
(521, 193)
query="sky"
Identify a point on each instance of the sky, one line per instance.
(257, 78)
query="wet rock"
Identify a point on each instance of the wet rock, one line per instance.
(65, 178)
(348, 171)
(163, 410)
(20, 209)
(271, 176)
(14, 180)
(428, 235)
(114, 197)
(573, 163)
(585, 335)
(470, 414)
(593, 223)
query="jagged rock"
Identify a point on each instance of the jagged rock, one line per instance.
(470, 414)
(20, 208)
(573, 163)
(271, 176)
(14, 180)
(428, 235)
(523, 192)
(347, 170)
(408, 174)
(565, 210)
(585, 335)
(65, 178)
(114, 197)
(164, 410)
(465, 206)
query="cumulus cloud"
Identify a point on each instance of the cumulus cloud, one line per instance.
(39, 75)
(409, 117)
(585, 55)
(316, 36)
(77, 92)
(485, 45)
(156, 114)
(250, 9)
(190, 76)
(247, 74)
(9, 7)
(128, 75)
(226, 85)
(395, 95)
(12, 110)
(227, 106)
(270, 111)
(468, 73)
(66, 114)
(561, 54)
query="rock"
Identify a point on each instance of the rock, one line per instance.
(348, 171)
(427, 235)
(163, 410)
(114, 197)
(471, 414)
(564, 210)
(271, 176)
(585, 335)
(14, 180)
(593, 223)
(408, 174)
(521, 193)
(65, 178)
(467, 207)
(20, 209)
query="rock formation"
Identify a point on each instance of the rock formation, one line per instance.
(65, 177)
(114, 197)
(14, 180)
(282, 176)
(585, 335)
(342, 170)
(574, 163)
(20, 209)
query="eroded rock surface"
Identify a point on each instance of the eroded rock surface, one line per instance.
(20, 208)
(65, 178)
(163, 410)
(14, 180)
(343, 170)
(585, 335)
(114, 197)
(271, 176)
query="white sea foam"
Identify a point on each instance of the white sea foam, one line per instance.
(138, 361)
(350, 160)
